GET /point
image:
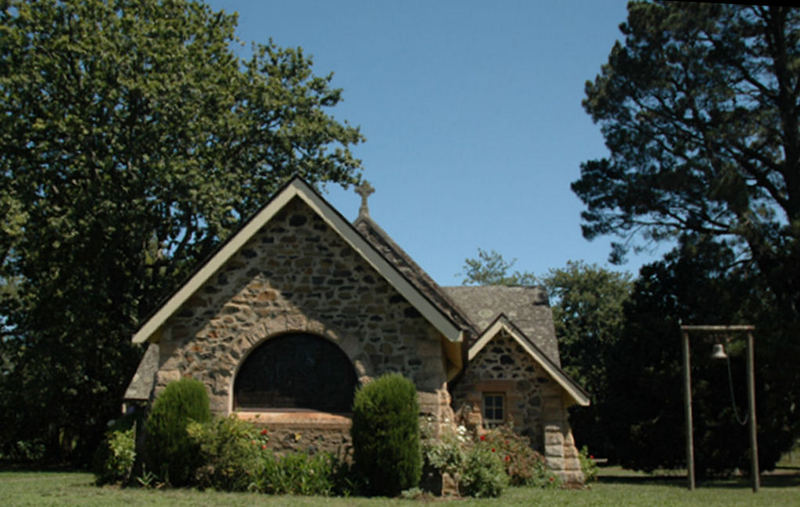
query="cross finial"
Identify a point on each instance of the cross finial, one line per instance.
(364, 190)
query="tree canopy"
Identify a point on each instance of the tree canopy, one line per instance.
(587, 310)
(588, 302)
(699, 107)
(490, 268)
(133, 141)
(642, 411)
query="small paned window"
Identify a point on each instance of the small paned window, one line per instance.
(493, 409)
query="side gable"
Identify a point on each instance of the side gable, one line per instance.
(297, 188)
(502, 323)
(526, 307)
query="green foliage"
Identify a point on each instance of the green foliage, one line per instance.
(485, 465)
(114, 458)
(700, 282)
(588, 303)
(444, 453)
(229, 450)
(523, 465)
(133, 142)
(588, 465)
(296, 474)
(588, 315)
(626, 488)
(490, 268)
(698, 107)
(483, 475)
(170, 452)
(386, 436)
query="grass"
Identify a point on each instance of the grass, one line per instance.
(616, 487)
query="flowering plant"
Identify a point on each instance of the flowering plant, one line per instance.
(588, 465)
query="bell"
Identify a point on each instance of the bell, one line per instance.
(719, 352)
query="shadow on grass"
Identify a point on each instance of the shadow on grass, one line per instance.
(781, 477)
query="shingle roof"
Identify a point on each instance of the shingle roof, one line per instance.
(526, 307)
(382, 242)
(473, 308)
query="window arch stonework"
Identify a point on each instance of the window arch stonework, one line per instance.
(295, 371)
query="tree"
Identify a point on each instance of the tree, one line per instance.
(490, 268)
(133, 141)
(699, 108)
(588, 314)
(698, 282)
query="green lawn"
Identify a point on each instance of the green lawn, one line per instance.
(615, 488)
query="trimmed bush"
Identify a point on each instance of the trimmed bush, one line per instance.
(385, 433)
(229, 451)
(170, 453)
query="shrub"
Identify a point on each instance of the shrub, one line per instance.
(445, 454)
(588, 465)
(295, 474)
(113, 460)
(523, 465)
(385, 435)
(170, 453)
(483, 474)
(229, 450)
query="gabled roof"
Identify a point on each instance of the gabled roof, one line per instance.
(503, 324)
(412, 271)
(526, 307)
(297, 188)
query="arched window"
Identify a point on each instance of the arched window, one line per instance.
(296, 371)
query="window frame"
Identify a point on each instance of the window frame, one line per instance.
(345, 378)
(493, 397)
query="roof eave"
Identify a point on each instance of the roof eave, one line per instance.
(575, 391)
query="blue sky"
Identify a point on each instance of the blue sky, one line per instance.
(472, 114)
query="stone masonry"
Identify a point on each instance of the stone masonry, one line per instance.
(297, 275)
(534, 401)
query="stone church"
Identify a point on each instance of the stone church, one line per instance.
(300, 306)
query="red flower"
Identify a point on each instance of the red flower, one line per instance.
(264, 431)
(264, 446)
(591, 456)
(552, 478)
(483, 437)
(492, 449)
(508, 458)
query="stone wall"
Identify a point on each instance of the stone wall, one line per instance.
(534, 403)
(298, 275)
(504, 366)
